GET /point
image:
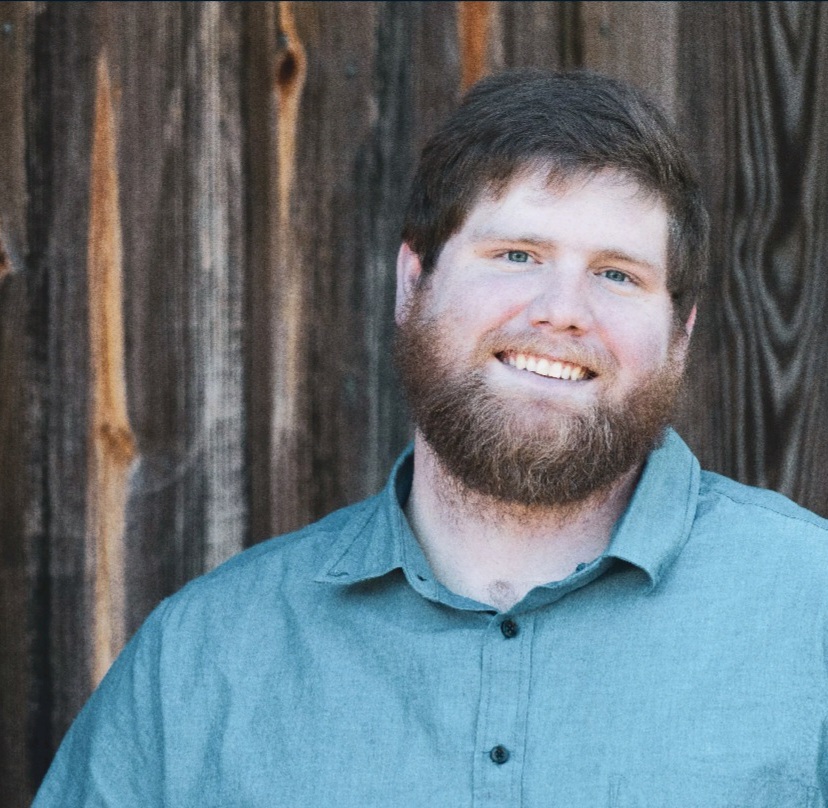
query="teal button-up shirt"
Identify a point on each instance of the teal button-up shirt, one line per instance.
(687, 667)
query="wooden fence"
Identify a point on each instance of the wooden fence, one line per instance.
(199, 212)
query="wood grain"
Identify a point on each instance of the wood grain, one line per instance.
(112, 444)
(58, 140)
(474, 28)
(634, 41)
(19, 504)
(183, 203)
(289, 338)
(546, 35)
(279, 471)
(764, 334)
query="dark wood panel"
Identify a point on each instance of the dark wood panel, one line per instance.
(544, 35)
(181, 167)
(759, 414)
(633, 41)
(58, 167)
(276, 68)
(19, 504)
(323, 257)
(379, 94)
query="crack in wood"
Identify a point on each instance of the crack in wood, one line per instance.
(112, 444)
(474, 24)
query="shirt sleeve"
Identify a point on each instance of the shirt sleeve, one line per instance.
(113, 754)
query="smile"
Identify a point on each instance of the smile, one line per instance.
(544, 366)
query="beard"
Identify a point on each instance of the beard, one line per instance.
(531, 453)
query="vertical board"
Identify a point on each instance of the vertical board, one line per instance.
(545, 35)
(181, 168)
(325, 418)
(276, 71)
(755, 107)
(19, 503)
(634, 41)
(60, 131)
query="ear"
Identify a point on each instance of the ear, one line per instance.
(691, 321)
(409, 272)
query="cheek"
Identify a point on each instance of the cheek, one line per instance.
(483, 306)
(639, 340)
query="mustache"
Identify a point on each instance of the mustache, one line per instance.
(565, 350)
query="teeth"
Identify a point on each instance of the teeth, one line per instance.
(543, 367)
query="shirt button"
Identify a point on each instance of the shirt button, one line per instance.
(509, 628)
(499, 754)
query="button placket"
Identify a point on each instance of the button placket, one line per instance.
(504, 697)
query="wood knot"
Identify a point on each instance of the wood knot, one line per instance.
(118, 443)
(287, 68)
(6, 267)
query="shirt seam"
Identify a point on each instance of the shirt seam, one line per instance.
(765, 507)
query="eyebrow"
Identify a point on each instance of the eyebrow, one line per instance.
(547, 244)
(625, 258)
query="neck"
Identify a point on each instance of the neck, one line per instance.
(494, 552)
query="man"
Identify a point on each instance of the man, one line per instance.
(549, 604)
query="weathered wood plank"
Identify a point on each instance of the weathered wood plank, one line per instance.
(634, 41)
(546, 35)
(279, 467)
(475, 21)
(387, 108)
(765, 335)
(59, 133)
(181, 166)
(19, 503)
(362, 116)
(416, 81)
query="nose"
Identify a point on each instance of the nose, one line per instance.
(562, 302)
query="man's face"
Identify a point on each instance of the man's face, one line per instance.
(540, 357)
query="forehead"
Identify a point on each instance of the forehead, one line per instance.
(602, 212)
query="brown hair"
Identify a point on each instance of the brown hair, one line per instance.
(566, 124)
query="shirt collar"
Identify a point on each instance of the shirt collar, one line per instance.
(374, 541)
(649, 535)
(657, 522)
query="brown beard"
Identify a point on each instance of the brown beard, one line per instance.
(491, 446)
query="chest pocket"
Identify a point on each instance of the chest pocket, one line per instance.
(700, 791)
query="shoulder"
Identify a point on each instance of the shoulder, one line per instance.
(759, 521)
(716, 490)
(265, 575)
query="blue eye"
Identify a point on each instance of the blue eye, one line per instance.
(517, 256)
(616, 275)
